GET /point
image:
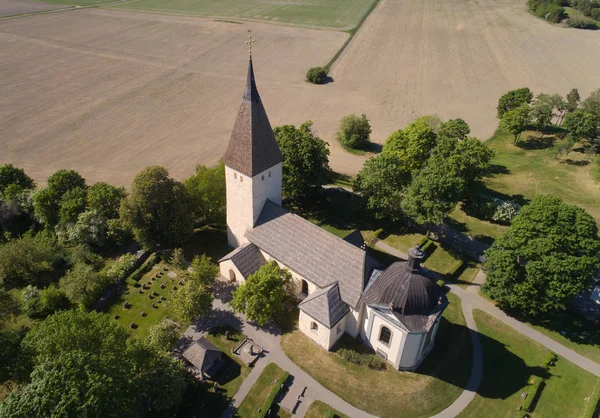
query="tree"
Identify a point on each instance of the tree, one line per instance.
(514, 99)
(316, 75)
(91, 229)
(556, 102)
(573, 99)
(47, 202)
(29, 260)
(541, 114)
(413, 145)
(163, 335)
(51, 300)
(82, 284)
(105, 199)
(455, 128)
(9, 307)
(193, 301)
(581, 125)
(72, 203)
(178, 259)
(381, 181)
(516, 121)
(433, 193)
(14, 176)
(354, 131)
(549, 254)
(305, 160)
(158, 209)
(592, 104)
(261, 297)
(204, 271)
(206, 188)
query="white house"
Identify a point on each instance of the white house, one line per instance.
(343, 289)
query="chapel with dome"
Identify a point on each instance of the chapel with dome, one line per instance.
(343, 290)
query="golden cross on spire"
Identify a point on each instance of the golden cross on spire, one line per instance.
(250, 41)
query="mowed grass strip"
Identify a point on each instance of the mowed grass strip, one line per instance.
(510, 359)
(331, 14)
(260, 391)
(318, 409)
(390, 393)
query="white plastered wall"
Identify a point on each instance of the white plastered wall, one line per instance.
(321, 335)
(373, 323)
(411, 357)
(225, 266)
(246, 198)
(296, 278)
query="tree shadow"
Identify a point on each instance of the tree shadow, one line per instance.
(223, 290)
(215, 318)
(537, 142)
(576, 163)
(498, 169)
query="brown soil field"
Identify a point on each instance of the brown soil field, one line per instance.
(108, 92)
(19, 7)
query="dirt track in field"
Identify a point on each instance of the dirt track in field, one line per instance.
(108, 93)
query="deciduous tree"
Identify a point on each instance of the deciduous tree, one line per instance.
(455, 128)
(204, 271)
(82, 284)
(47, 202)
(549, 254)
(305, 160)
(105, 199)
(15, 177)
(261, 297)
(354, 131)
(206, 188)
(163, 335)
(581, 125)
(158, 209)
(413, 145)
(516, 121)
(514, 99)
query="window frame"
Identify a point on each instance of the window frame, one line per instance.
(389, 341)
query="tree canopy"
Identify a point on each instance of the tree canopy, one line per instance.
(549, 254)
(48, 202)
(105, 199)
(195, 298)
(206, 188)
(516, 121)
(158, 209)
(305, 160)
(354, 131)
(413, 145)
(581, 125)
(15, 177)
(261, 297)
(82, 284)
(514, 99)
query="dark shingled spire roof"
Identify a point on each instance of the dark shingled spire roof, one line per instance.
(252, 148)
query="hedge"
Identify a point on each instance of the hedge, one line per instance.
(423, 241)
(427, 246)
(594, 402)
(268, 403)
(534, 390)
(134, 277)
(369, 360)
(454, 269)
(551, 360)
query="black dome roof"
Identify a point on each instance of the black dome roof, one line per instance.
(411, 295)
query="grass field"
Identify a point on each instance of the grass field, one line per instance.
(318, 409)
(333, 14)
(261, 389)
(436, 385)
(510, 360)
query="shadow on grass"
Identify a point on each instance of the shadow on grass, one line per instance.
(209, 241)
(537, 142)
(576, 163)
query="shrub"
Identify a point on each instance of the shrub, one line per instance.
(316, 75)
(354, 131)
(454, 269)
(492, 208)
(582, 22)
(380, 231)
(370, 360)
(118, 270)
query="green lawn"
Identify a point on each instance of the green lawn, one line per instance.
(142, 303)
(334, 14)
(391, 393)
(467, 275)
(318, 409)
(530, 169)
(476, 228)
(510, 360)
(259, 392)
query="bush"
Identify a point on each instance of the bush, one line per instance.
(316, 75)
(454, 269)
(118, 270)
(582, 22)
(378, 232)
(492, 208)
(354, 131)
(370, 360)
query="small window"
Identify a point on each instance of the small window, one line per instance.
(385, 335)
(263, 177)
(235, 175)
(338, 329)
(314, 327)
(381, 354)
(269, 174)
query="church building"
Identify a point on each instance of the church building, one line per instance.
(343, 290)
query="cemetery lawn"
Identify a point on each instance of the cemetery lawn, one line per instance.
(260, 391)
(510, 360)
(318, 409)
(141, 303)
(436, 385)
(330, 14)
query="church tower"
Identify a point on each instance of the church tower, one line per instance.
(252, 165)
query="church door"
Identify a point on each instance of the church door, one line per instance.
(231, 276)
(304, 290)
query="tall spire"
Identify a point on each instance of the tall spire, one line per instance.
(252, 148)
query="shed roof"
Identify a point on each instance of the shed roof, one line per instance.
(247, 258)
(310, 251)
(202, 354)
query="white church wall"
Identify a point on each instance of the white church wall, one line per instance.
(226, 266)
(352, 322)
(239, 208)
(338, 330)
(394, 349)
(321, 335)
(296, 278)
(412, 351)
(266, 185)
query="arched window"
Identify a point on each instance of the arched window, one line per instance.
(304, 289)
(385, 335)
(314, 327)
(232, 276)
